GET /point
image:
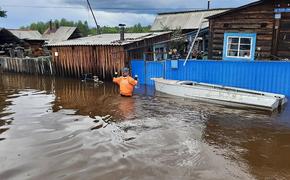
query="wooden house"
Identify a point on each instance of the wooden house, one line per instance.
(103, 54)
(62, 33)
(259, 30)
(187, 23)
(14, 40)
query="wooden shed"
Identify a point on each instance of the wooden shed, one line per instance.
(259, 30)
(31, 41)
(103, 54)
(62, 33)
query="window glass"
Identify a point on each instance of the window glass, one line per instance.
(233, 40)
(245, 47)
(239, 47)
(246, 41)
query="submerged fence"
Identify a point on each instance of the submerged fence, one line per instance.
(40, 65)
(269, 76)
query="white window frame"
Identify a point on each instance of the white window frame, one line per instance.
(239, 44)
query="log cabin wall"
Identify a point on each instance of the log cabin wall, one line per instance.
(103, 61)
(283, 37)
(257, 19)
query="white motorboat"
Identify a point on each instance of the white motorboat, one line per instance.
(220, 94)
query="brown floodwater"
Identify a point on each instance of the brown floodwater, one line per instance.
(55, 128)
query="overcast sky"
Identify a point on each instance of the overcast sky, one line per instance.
(108, 12)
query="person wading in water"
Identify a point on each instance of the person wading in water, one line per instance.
(125, 82)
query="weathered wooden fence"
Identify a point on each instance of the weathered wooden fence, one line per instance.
(40, 65)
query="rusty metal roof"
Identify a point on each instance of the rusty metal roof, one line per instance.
(26, 34)
(108, 39)
(63, 33)
(185, 20)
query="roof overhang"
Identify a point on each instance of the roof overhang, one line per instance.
(236, 9)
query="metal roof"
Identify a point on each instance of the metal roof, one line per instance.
(108, 39)
(63, 33)
(26, 34)
(185, 20)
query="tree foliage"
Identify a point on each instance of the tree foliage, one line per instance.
(84, 28)
(178, 40)
(2, 13)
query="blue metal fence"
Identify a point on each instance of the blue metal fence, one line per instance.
(269, 76)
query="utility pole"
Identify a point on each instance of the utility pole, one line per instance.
(98, 29)
(208, 4)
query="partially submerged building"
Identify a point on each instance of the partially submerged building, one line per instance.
(21, 43)
(259, 30)
(188, 23)
(102, 54)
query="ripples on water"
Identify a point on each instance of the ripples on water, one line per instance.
(65, 129)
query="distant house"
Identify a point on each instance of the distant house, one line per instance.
(62, 33)
(102, 54)
(259, 30)
(188, 22)
(21, 42)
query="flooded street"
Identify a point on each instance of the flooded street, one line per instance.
(54, 128)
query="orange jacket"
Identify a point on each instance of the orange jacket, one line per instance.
(126, 85)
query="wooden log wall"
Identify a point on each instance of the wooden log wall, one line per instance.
(103, 61)
(254, 19)
(40, 65)
(283, 37)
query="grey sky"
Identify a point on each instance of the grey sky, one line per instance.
(108, 12)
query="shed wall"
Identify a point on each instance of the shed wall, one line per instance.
(73, 61)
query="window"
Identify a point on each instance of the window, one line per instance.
(159, 52)
(239, 46)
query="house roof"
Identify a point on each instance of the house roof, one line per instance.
(236, 9)
(185, 20)
(26, 34)
(108, 39)
(63, 33)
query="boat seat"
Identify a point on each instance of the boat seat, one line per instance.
(189, 83)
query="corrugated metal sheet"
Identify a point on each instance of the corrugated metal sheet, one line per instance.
(108, 39)
(183, 20)
(62, 34)
(26, 34)
(258, 75)
(138, 68)
(147, 70)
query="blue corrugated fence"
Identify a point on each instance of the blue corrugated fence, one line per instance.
(267, 76)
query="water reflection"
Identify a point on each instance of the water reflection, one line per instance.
(46, 133)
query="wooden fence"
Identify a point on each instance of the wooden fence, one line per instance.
(40, 65)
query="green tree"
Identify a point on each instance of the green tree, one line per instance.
(84, 27)
(178, 41)
(3, 13)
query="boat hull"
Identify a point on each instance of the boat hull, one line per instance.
(221, 94)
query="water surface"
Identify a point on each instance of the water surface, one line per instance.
(54, 128)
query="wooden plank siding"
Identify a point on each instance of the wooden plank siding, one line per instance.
(73, 61)
(257, 19)
(100, 60)
(283, 47)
